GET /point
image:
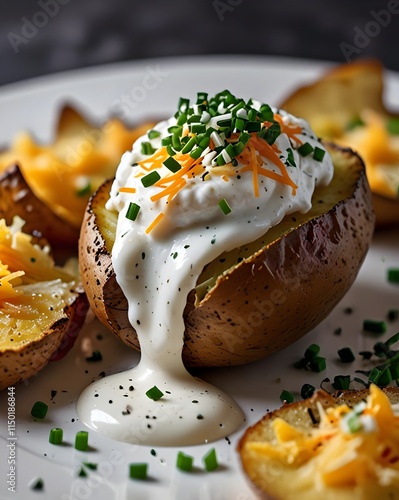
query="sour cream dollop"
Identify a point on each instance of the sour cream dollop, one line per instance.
(215, 176)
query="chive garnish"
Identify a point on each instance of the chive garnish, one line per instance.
(305, 149)
(224, 206)
(138, 471)
(318, 364)
(82, 472)
(346, 355)
(153, 134)
(286, 397)
(90, 465)
(82, 440)
(374, 326)
(312, 351)
(318, 154)
(307, 391)
(147, 149)
(341, 382)
(210, 460)
(55, 436)
(38, 484)
(39, 410)
(290, 157)
(184, 462)
(132, 211)
(172, 165)
(150, 179)
(154, 393)
(393, 275)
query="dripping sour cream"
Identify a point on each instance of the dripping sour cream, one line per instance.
(215, 176)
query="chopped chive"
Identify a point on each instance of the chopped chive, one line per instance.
(318, 154)
(82, 472)
(393, 125)
(181, 120)
(393, 275)
(138, 471)
(153, 134)
(170, 150)
(189, 145)
(286, 397)
(96, 356)
(341, 382)
(270, 134)
(195, 119)
(183, 104)
(184, 462)
(202, 97)
(385, 377)
(312, 351)
(154, 393)
(172, 164)
(290, 157)
(355, 122)
(166, 141)
(150, 179)
(204, 143)
(392, 340)
(239, 124)
(90, 465)
(305, 149)
(224, 123)
(374, 375)
(318, 364)
(175, 129)
(393, 314)
(37, 484)
(147, 149)
(82, 440)
(176, 144)
(307, 391)
(196, 153)
(224, 206)
(132, 211)
(210, 460)
(198, 128)
(366, 354)
(56, 435)
(253, 126)
(266, 113)
(39, 410)
(374, 326)
(346, 355)
(244, 138)
(394, 369)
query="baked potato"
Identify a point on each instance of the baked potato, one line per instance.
(257, 299)
(346, 106)
(42, 306)
(62, 175)
(328, 446)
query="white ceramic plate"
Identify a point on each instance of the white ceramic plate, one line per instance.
(138, 90)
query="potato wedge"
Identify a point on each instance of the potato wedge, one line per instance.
(63, 174)
(264, 460)
(346, 106)
(17, 198)
(256, 299)
(42, 306)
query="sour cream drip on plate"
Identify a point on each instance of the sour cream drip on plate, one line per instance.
(215, 176)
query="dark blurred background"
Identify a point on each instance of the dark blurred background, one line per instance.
(45, 36)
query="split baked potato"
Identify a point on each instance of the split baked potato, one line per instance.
(62, 175)
(346, 106)
(42, 305)
(259, 298)
(335, 447)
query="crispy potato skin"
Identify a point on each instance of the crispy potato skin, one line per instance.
(18, 365)
(264, 303)
(17, 198)
(272, 477)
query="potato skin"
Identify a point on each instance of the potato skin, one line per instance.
(274, 478)
(268, 300)
(20, 364)
(17, 198)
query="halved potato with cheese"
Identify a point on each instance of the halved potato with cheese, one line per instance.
(63, 174)
(42, 306)
(346, 106)
(340, 447)
(258, 298)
